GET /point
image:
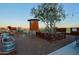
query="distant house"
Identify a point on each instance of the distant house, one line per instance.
(11, 28)
(73, 30)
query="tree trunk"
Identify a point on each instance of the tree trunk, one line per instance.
(52, 28)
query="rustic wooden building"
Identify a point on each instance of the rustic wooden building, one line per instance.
(34, 25)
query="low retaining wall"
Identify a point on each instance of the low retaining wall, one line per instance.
(48, 36)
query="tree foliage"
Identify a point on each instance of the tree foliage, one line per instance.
(49, 13)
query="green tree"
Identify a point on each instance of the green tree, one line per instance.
(50, 14)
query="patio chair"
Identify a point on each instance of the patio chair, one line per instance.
(8, 45)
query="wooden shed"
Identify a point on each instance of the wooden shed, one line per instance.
(34, 25)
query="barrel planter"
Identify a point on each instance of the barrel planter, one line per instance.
(8, 46)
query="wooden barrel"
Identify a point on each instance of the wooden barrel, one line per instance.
(8, 46)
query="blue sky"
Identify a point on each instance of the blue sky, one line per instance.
(18, 14)
(15, 14)
(72, 20)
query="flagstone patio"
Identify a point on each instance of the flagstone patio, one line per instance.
(32, 45)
